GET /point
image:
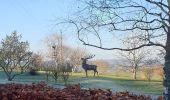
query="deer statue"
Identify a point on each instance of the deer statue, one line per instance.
(87, 67)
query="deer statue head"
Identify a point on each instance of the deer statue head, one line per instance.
(84, 60)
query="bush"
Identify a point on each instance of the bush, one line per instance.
(41, 91)
(56, 75)
(33, 72)
(65, 76)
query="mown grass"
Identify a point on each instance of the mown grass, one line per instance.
(124, 81)
(142, 86)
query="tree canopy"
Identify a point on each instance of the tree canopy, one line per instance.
(14, 55)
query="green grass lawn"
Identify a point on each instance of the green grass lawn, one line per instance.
(122, 82)
(113, 81)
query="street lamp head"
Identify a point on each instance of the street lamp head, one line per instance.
(54, 46)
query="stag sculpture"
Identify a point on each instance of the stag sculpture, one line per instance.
(87, 67)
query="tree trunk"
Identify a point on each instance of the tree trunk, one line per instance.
(10, 78)
(134, 73)
(166, 81)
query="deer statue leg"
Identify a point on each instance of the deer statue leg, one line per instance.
(94, 72)
(97, 73)
(86, 73)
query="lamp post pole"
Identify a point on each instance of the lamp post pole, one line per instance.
(61, 48)
(54, 54)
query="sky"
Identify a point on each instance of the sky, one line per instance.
(36, 19)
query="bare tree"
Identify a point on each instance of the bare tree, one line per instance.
(50, 41)
(149, 70)
(14, 55)
(151, 18)
(37, 60)
(134, 58)
(63, 52)
(75, 57)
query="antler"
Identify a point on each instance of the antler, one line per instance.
(89, 56)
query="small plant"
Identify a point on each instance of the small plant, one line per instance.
(47, 74)
(56, 74)
(65, 77)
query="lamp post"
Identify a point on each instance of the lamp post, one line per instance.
(61, 49)
(56, 70)
(54, 47)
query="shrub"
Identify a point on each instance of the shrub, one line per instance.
(56, 75)
(33, 72)
(41, 91)
(65, 77)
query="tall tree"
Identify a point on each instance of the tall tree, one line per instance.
(136, 57)
(14, 55)
(151, 18)
(37, 61)
(62, 51)
(76, 55)
(50, 41)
